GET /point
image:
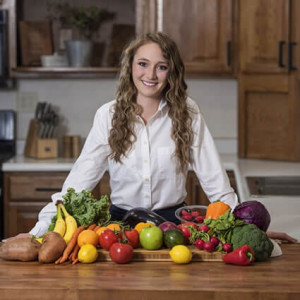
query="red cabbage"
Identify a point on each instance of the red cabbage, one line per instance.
(253, 212)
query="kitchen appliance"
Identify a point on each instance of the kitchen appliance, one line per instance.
(5, 82)
(7, 150)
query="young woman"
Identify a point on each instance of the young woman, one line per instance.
(147, 138)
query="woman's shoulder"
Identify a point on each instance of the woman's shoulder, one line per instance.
(192, 105)
(106, 108)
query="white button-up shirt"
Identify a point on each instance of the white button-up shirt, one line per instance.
(148, 176)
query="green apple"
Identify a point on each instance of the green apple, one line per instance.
(151, 238)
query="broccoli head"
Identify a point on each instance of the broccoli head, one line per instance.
(257, 239)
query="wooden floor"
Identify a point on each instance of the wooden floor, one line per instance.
(276, 279)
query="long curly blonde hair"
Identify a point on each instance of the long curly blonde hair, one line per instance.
(122, 135)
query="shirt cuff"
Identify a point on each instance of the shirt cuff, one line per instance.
(39, 229)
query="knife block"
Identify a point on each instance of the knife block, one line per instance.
(39, 148)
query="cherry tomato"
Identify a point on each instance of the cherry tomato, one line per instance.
(133, 237)
(121, 253)
(107, 238)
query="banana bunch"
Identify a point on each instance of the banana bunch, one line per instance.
(65, 227)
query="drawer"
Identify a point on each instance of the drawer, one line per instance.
(33, 186)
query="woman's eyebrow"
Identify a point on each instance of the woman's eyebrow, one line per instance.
(159, 62)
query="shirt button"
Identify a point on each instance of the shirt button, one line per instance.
(147, 195)
(145, 161)
(147, 179)
(145, 142)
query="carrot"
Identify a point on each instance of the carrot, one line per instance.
(75, 252)
(96, 228)
(75, 261)
(92, 226)
(58, 260)
(71, 244)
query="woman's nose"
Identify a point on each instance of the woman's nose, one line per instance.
(151, 73)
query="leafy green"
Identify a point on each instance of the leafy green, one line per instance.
(223, 226)
(85, 208)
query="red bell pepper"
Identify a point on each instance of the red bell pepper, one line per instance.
(241, 256)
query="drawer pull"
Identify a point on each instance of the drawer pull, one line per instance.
(47, 190)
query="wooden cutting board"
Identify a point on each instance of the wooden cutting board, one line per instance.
(141, 254)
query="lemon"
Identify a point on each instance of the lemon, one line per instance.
(181, 254)
(87, 254)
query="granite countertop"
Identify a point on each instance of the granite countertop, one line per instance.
(284, 209)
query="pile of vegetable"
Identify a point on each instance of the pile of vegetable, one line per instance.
(240, 237)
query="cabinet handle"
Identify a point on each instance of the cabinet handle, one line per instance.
(47, 190)
(228, 53)
(280, 46)
(291, 67)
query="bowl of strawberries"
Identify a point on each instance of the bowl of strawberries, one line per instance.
(192, 213)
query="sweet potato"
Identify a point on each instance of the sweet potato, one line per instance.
(22, 249)
(53, 246)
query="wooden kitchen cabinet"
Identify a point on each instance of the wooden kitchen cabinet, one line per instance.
(26, 193)
(268, 80)
(204, 31)
(269, 117)
(264, 35)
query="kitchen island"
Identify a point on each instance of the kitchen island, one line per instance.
(278, 278)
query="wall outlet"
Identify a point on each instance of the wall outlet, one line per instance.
(27, 102)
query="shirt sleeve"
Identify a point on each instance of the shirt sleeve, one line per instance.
(86, 171)
(207, 164)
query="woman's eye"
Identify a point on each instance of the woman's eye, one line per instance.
(163, 68)
(142, 64)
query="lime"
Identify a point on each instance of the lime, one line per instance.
(87, 254)
(181, 254)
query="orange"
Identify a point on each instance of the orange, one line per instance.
(100, 230)
(141, 225)
(114, 226)
(87, 236)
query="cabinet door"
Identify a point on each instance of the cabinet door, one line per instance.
(22, 216)
(264, 35)
(269, 120)
(203, 31)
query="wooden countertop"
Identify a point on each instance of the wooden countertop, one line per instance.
(278, 278)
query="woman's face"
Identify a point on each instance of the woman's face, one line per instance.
(149, 71)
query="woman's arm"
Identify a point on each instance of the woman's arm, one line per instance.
(282, 236)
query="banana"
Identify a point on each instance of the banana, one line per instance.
(60, 225)
(40, 239)
(71, 224)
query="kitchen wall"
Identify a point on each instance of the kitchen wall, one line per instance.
(76, 100)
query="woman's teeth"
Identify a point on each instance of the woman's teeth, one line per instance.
(149, 83)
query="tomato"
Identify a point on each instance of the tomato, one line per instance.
(121, 253)
(184, 227)
(107, 238)
(133, 237)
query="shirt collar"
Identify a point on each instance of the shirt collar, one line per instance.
(162, 104)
